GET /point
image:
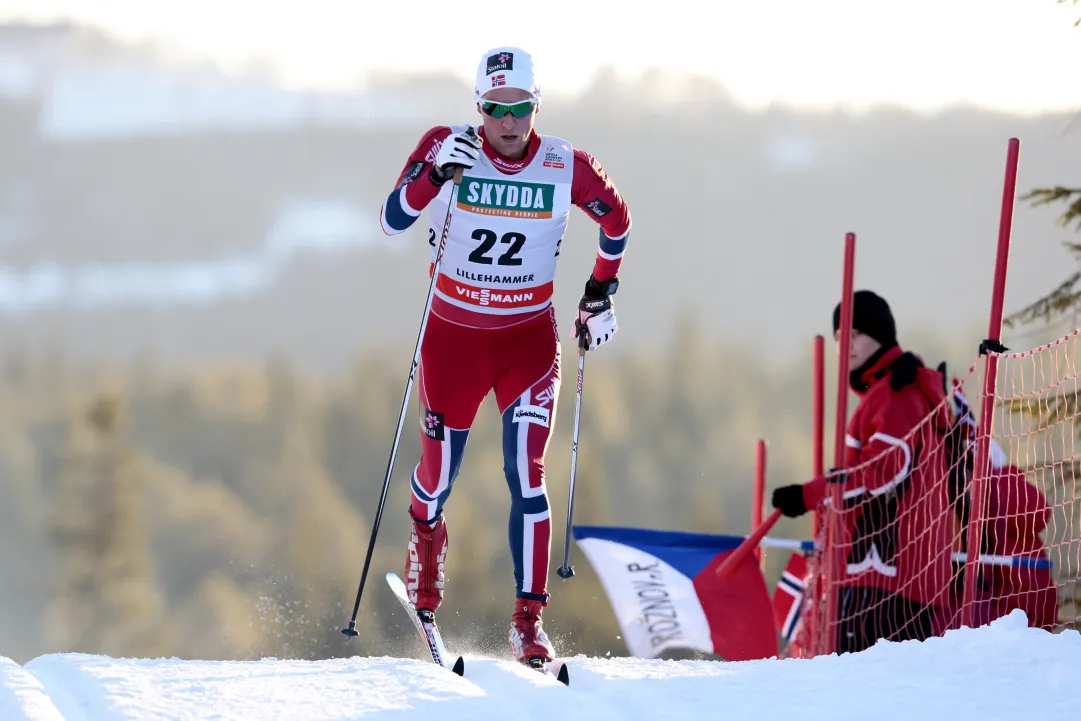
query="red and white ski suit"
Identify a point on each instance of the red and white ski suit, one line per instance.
(492, 325)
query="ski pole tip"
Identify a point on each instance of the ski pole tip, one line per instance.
(565, 571)
(351, 630)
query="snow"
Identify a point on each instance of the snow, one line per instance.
(322, 227)
(1005, 670)
(22, 695)
(89, 87)
(101, 103)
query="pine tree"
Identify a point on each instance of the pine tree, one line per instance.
(108, 601)
(1066, 296)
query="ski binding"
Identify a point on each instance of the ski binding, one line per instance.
(557, 668)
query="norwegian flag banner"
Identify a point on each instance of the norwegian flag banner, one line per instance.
(788, 598)
(666, 594)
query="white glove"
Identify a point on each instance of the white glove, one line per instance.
(459, 150)
(596, 318)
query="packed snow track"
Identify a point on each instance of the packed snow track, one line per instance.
(1005, 671)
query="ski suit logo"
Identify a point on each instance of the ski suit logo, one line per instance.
(531, 414)
(508, 198)
(432, 425)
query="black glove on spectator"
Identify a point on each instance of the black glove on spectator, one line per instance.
(789, 499)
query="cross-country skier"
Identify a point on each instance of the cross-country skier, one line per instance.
(492, 324)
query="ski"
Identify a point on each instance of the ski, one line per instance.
(557, 668)
(429, 632)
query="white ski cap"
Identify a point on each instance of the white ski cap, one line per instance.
(506, 67)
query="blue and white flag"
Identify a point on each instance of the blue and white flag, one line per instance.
(666, 594)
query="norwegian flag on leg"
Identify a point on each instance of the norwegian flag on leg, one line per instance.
(788, 599)
(666, 594)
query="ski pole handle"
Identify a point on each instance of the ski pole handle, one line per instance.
(459, 170)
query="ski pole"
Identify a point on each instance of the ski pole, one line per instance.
(351, 629)
(566, 570)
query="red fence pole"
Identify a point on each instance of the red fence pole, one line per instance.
(981, 470)
(834, 551)
(818, 423)
(818, 418)
(758, 501)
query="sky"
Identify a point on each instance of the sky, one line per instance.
(1015, 55)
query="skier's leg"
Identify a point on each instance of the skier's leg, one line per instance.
(526, 391)
(452, 383)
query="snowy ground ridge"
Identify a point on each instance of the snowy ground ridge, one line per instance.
(1003, 671)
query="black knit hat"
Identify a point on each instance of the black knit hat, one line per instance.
(870, 315)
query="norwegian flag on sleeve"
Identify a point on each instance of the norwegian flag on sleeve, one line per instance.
(666, 594)
(788, 598)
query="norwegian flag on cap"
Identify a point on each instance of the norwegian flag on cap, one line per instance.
(498, 80)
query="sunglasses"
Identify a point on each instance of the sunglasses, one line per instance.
(521, 109)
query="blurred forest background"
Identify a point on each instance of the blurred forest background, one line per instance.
(205, 338)
(222, 511)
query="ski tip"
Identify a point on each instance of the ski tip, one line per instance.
(557, 668)
(396, 585)
(563, 675)
(459, 666)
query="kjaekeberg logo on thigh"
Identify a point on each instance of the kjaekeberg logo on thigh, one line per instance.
(531, 414)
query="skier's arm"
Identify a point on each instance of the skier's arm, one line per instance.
(414, 188)
(595, 193)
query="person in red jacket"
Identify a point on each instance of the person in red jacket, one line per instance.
(1016, 513)
(895, 531)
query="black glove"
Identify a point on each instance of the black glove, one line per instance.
(596, 321)
(789, 499)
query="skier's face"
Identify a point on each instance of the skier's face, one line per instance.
(506, 131)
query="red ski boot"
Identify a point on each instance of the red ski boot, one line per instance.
(424, 565)
(527, 638)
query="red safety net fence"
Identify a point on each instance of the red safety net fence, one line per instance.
(958, 506)
(1031, 503)
(901, 545)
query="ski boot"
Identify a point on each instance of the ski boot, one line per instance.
(528, 641)
(424, 579)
